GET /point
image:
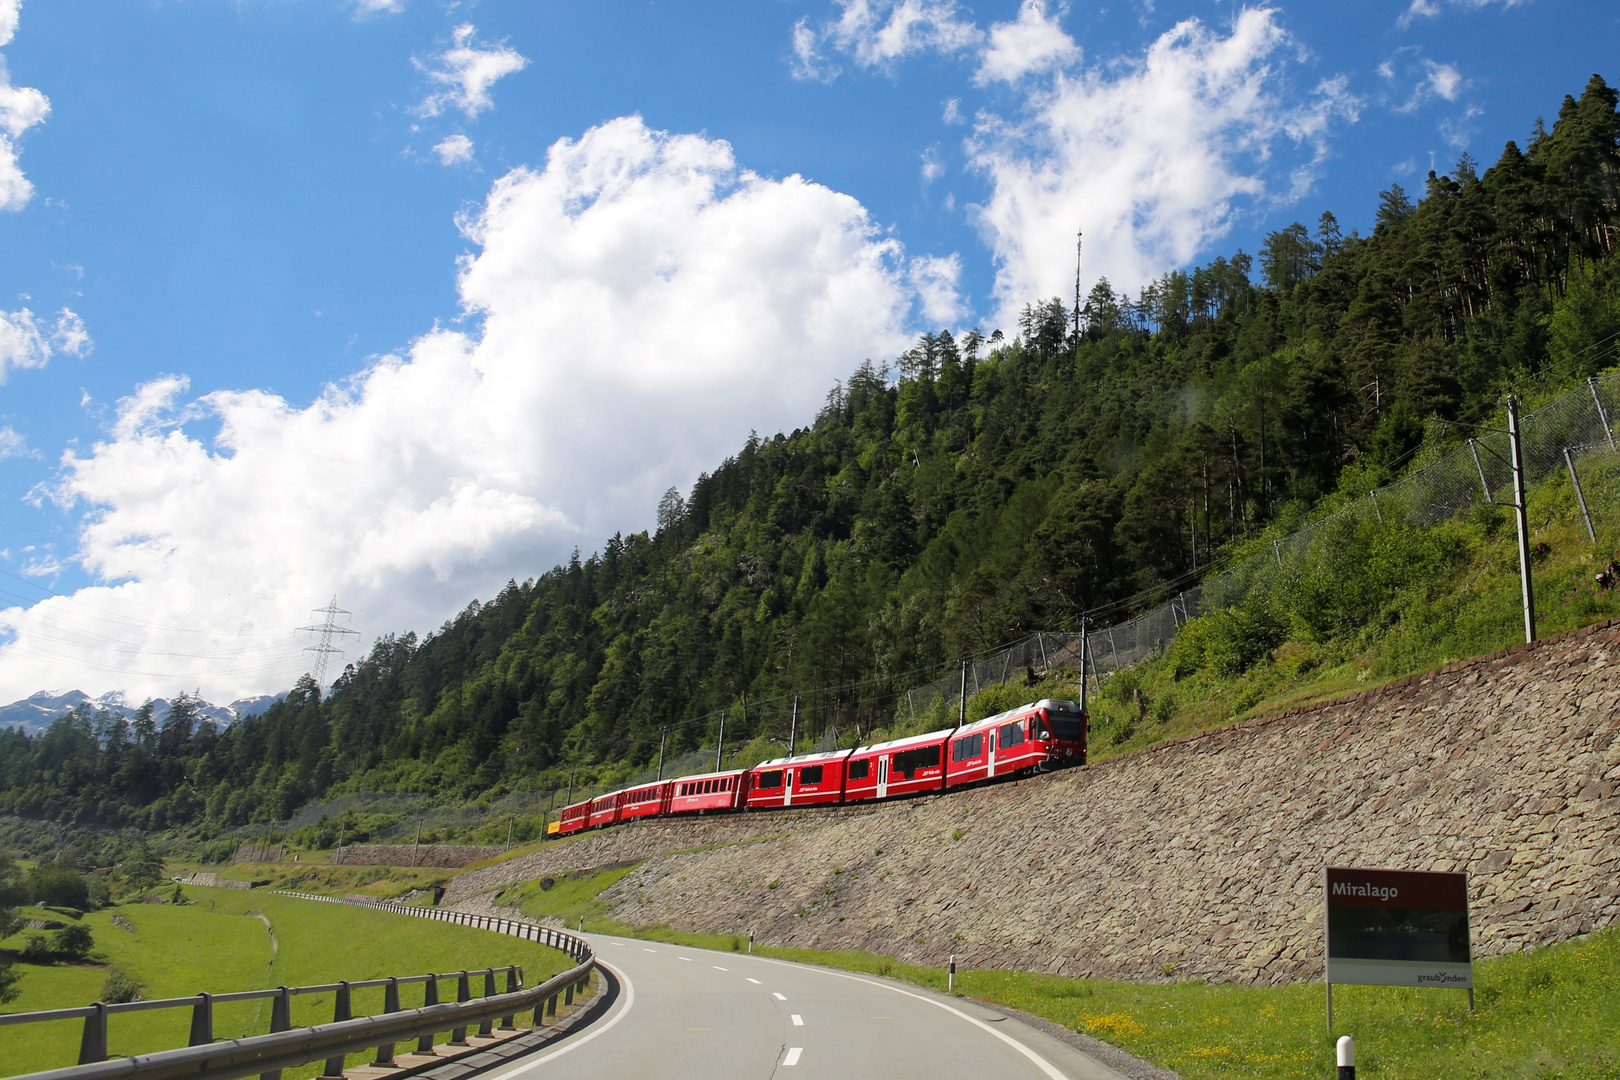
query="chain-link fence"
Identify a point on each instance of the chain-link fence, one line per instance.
(1479, 471)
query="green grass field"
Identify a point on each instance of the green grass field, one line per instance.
(214, 945)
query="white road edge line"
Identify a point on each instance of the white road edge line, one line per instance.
(798, 1021)
(629, 1001)
(1040, 1063)
(793, 1055)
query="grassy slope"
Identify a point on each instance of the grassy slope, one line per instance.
(214, 945)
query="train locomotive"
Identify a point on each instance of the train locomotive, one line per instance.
(1041, 736)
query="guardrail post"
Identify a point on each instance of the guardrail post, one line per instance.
(551, 1006)
(509, 1023)
(342, 1009)
(488, 1026)
(385, 1052)
(458, 1037)
(430, 996)
(202, 1021)
(280, 1020)
(93, 1044)
(568, 995)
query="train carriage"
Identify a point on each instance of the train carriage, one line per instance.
(1043, 735)
(605, 810)
(574, 818)
(799, 781)
(901, 767)
(711, 791)
(646, 800)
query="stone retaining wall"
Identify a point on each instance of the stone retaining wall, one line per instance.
(1197, 858)
(451, 856)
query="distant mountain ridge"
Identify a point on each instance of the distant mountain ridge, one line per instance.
(36, 712)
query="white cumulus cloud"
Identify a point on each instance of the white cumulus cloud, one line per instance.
(1033, 43)
(455, 150)
(24, 343)
(1151, 158)
(464, 73)
(1429, 9)
(13, 443)
(633, 308)
(878, 33)
(21, 107)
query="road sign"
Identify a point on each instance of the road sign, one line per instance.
(1397, 928)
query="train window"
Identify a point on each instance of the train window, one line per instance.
(1011, 734)
(1067, 725)
(772, 779)
(908, 762)
(860, 770)
(810, 774)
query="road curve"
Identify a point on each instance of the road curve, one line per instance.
(684, 1012)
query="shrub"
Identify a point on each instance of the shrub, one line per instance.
(120, 987)
(73, 942)
(36, 949)
(59, 886)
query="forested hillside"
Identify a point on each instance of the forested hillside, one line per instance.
(976, 488)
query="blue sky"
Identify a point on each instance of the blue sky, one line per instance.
(397, 300)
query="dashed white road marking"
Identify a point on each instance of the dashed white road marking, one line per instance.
(756, 982)
(793, 1055)
(1035, 1059)
(777, 996)
(649, 950)
(717, 967)
(798, 1021)
(688, 959)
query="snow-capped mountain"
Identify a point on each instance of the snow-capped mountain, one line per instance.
(36, 712)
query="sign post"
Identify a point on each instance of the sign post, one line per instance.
(1396, 928)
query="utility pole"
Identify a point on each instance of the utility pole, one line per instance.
(1084, 657)
(338, 852)
(510, 822)
(1522, 516)
(961, 701)
(324, 650)
(720, 743)
(793, 729)
(663, 733)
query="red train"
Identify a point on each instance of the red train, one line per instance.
(1039, 736)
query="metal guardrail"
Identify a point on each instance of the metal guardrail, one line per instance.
(284, 1047)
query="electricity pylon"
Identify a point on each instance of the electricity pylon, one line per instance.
(324, 649)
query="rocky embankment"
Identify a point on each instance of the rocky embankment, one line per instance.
(1199, 858)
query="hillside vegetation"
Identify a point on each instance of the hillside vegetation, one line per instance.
(981, 488)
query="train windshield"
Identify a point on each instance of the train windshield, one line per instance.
(1069, 726)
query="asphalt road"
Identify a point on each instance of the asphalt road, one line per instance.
(690, 1013)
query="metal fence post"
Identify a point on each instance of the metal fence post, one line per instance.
(342, 1009)
(487, 1027)
(1580, 496)
(1603, 414)
(280, 1020)
(509, 1023)
(430, 996)
(202, 1021)
(385, 1052)
(93, 1043)
(458, 1037)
